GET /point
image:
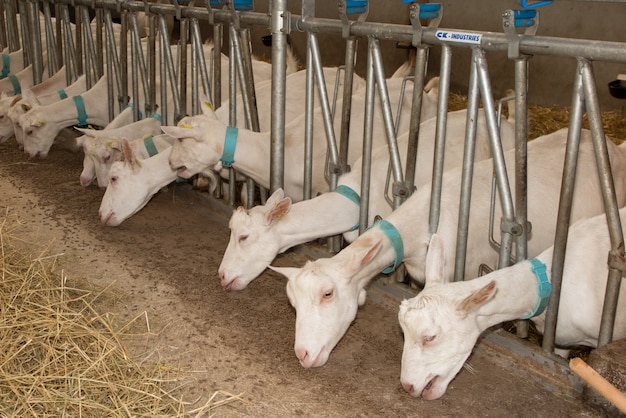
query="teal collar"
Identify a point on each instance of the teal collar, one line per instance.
(157, 116)
(349, 192)
(62, 94)
(132, 106)
(545, 288)
(80, 108)
(16, 84)
(6, 65)
(396, 242)
(148, 142)
(230, 142)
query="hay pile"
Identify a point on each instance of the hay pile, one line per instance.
(59, 357)
(544, 120)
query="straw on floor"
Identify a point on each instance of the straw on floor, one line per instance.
(60, 357)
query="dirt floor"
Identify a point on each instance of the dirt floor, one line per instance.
(163, 262)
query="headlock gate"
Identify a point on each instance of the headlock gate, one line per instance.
(149, 70)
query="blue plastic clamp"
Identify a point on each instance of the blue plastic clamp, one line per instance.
(524, 18)
(356, 6)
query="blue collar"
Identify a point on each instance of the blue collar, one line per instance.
(396, 241)
(230, 142)
(349, 192)
(148, 142)
(80, 108)
(16, 84)
(6, 65)
(545, 288)
(62, 94)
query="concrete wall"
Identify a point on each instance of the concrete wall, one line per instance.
(550, 78)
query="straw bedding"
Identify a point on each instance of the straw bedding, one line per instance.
(60, 357)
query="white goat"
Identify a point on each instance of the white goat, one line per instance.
(259, 234)
(201, 143)
(132, 183)
(327, 292)
(442, 323)
(15, 83)
(28, 100)
(101, 147)
(12, 63)
(41, 124)
(55, 83)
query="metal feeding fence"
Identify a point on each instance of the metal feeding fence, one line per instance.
(133, 65)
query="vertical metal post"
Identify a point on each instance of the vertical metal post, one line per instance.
(521, 169)
(279, 18)
(468, 169)
(616, 255)
(309, 107)
(565, 208)
(368, 123)
(440, 138)
(35, 47)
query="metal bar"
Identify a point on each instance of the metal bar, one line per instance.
(35, 33)
(594, 115)
(368, 123)
(421, 60)
(565, 207)
(279, 46)
(504, 189)
(521, 169)
(440, 138)
(468, 170)
(399, 191)
(309, 119)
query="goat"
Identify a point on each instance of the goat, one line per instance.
(443, 322)
(132, 183)
(201, 144)
(101, 147)
(261, 233)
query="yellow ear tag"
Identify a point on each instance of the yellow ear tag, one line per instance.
(207, 104)
(184, 125)
(111, 143)
(40, 122)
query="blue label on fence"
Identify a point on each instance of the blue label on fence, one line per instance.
(464, 37)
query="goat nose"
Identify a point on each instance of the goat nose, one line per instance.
(302, 354)
(407, 387)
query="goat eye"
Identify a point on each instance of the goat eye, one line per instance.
(29, 131)
(428, 339)
(243, 238)
(106, 159)
(113, 179)
(328, 294)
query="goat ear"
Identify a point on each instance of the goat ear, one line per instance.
(288, 272)
(277, 210)
(207, 109)
(178, 132)
(435, 261)
(363, 257)
(87, 131)
(205, 103)
(28, 94)
(129, 156)
(25, 107)
(275, 197)
(477, 298)
(16, 99)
